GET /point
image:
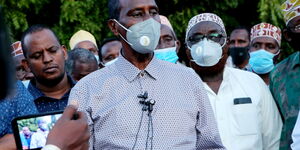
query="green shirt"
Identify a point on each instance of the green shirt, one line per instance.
(285, 87)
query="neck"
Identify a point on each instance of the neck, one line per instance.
(138, 60)
(212, 79)
(266, 78)
(56, 91)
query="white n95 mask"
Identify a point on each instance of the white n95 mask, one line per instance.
(206, 53)
(143, 37)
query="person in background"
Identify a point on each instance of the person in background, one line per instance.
(285, 77)
(239, 41)
(80, 63)
(38, 139)
(23, 73)
(26, 133)
(168, 45)
(46, 59)
(84, 39)
(109, 51)
(244, 108)
(120, 98)
(18, 102)
(264, 49)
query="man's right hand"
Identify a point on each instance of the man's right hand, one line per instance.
(69, 134)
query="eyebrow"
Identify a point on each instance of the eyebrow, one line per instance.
(142, 9)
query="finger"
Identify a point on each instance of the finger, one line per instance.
(81, 116)
(69, 112)
(74, 103)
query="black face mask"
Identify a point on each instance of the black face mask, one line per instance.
(295, 43)
(239, 54)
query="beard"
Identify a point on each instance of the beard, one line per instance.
(212, 70)
(50, 82)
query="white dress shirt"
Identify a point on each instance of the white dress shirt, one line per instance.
(182, 117)
(247, 126)
(296, 135)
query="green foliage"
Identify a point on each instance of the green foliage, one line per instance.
(66, 17)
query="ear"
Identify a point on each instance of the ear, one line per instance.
(286, 35)
(113, 26)
(178, 45)
(25, 64)
(65, 52)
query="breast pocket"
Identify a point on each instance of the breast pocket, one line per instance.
(245, 119)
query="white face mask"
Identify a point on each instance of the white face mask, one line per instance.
(111, 62)
(97, 58)
(206, 53)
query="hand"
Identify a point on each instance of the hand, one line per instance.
(68, 134)
(7, 142)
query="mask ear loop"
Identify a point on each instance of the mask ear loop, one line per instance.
(124, 29)
(277, 52)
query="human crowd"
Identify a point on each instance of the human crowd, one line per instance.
(133, 91)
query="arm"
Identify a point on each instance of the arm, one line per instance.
(81, 95)
(7, 142)
(271, 120)
(207, 132)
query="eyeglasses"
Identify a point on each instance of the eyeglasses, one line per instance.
(216, 37)
(295, 28)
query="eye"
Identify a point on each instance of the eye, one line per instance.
(36, 55)
(137, 14)
(153, 12)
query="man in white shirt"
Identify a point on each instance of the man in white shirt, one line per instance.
(244, 108)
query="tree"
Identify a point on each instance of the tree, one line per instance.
(68, 16)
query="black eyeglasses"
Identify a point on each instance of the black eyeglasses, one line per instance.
(216, 37)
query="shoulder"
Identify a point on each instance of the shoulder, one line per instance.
(242, 74)
(284, 65)
(177, 69)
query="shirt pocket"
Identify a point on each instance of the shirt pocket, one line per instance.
(245, 120)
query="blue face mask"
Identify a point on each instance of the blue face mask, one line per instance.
(261, 61)
(167, 54)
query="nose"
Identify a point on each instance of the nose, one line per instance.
(47, 57)
(236, 44)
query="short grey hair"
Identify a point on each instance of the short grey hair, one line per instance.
(80, 55)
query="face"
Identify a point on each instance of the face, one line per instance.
(89, 46)
(80, 70)
(239, 38)
(133, 12)
(22, 72)
(26, 131)
(167, 38)
(292, 33)
(110, 51)
(266, 43)
(45, 57)
(207, 29)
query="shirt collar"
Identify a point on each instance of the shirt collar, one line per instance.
(37, 93)
(130, 72)
(296, 60)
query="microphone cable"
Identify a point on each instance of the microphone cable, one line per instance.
(139, 128)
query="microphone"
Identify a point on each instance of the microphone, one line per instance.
(148, 104)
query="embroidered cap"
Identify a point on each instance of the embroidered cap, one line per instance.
(266, 30)
(291, 9)
(205, 17)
